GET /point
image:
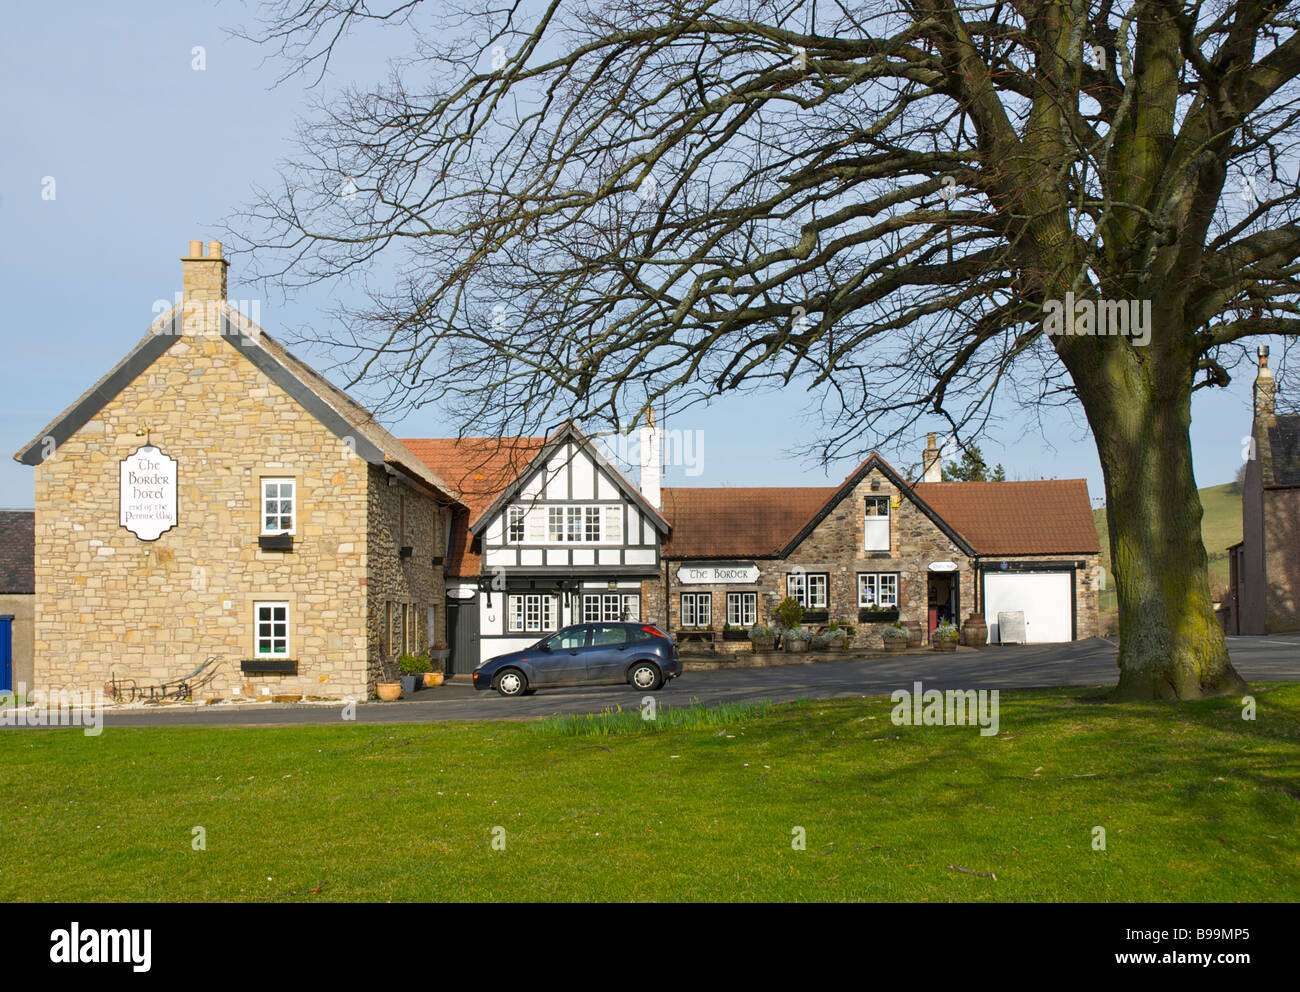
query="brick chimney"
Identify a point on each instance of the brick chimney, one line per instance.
(1265, 387)
(931, 466)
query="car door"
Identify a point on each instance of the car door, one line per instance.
(607, 657)
(564, 660)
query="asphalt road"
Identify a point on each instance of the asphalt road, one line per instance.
(1082, 663)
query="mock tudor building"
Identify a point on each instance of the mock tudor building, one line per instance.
(1264, 567)
(554, 535)
(212, 497)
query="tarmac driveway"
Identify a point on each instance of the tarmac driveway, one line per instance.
(1083, 663)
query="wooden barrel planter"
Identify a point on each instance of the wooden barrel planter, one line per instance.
(915, 633)
(975, 632)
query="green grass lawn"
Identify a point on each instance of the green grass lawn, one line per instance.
(1197, 804)
(1220, 529)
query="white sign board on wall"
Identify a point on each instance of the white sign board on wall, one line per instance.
(719, 573)
(147, 500)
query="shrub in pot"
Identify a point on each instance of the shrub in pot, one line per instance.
(789, 614)
(842, 635)
(945, 637)
(897, 637)
(797, 640)
(763, 638)
(413, 668)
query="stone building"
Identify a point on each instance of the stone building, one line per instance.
(1264, 567)
(877, 549)
(213, 497)
(17, 597)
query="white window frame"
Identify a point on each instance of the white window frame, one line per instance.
(800, 586)
(279, 482)
(698, 606)
(576, 523)
(516, 519)
(874, 583)
(742, 609)
(272, 605)
(611, 607)
(867, 518)
(530, 613)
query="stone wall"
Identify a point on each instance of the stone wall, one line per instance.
(108, 602)
(412, 582)
(1282, 560)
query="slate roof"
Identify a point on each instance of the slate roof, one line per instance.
(17, 552)
(332, 406)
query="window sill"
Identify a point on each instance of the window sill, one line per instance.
(268, 666)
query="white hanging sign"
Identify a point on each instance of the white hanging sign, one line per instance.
(733, 573)
(147, 500)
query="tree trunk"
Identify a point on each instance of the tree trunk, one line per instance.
(1171, 646)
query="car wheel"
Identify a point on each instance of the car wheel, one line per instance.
(511, 682)
(645, 675)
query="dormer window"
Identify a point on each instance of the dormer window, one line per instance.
(876, 524)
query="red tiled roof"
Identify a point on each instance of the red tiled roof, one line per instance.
(738, 522)
(477, 469)
(17, 551)
(1049, 516)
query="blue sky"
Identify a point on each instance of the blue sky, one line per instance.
(147, 153)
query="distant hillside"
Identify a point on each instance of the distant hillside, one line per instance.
(1220, 528)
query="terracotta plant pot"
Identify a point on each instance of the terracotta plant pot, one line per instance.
(432, 678)
(389, 691)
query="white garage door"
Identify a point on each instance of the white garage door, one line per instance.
(1043, 597)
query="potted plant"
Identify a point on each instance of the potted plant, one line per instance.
(789, 614)
(413, 667)
(849, 631)
(730, 633)
(897, 637)
(944, 637)
(797, 640)
(389, 687)
(439, 651)
(763, 638)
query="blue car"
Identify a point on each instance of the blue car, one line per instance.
(585, 654)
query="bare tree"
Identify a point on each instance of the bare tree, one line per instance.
(598, 206)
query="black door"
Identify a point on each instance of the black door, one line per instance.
(462, 635)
